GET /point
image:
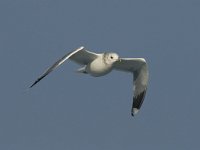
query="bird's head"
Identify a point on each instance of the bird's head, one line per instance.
(110, 58)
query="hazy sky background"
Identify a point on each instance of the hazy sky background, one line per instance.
(67, 110)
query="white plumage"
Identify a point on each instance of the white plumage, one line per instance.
(101, 64)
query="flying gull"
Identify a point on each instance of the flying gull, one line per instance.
(101, 64)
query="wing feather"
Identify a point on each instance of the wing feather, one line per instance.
(79, 55)
(138, 67)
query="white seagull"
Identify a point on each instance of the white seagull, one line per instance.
(101, 64)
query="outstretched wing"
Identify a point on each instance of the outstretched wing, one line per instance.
(140, 72)
(79, 55)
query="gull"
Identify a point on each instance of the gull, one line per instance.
(101, 64)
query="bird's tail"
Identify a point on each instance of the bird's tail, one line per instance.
(82, 70)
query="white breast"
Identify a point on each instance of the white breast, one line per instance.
(98, 67)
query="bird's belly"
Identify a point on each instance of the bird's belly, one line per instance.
(97, 68)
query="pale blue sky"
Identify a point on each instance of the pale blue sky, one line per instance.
(72, 111)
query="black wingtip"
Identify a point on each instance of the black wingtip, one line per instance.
(138, 100)
(33, 84)
(40, 78)
(137, 103)
(36, 81)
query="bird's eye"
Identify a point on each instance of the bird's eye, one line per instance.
(111, 57)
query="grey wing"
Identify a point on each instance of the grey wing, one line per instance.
(83, 57)
(79, 55)
(140, 72)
